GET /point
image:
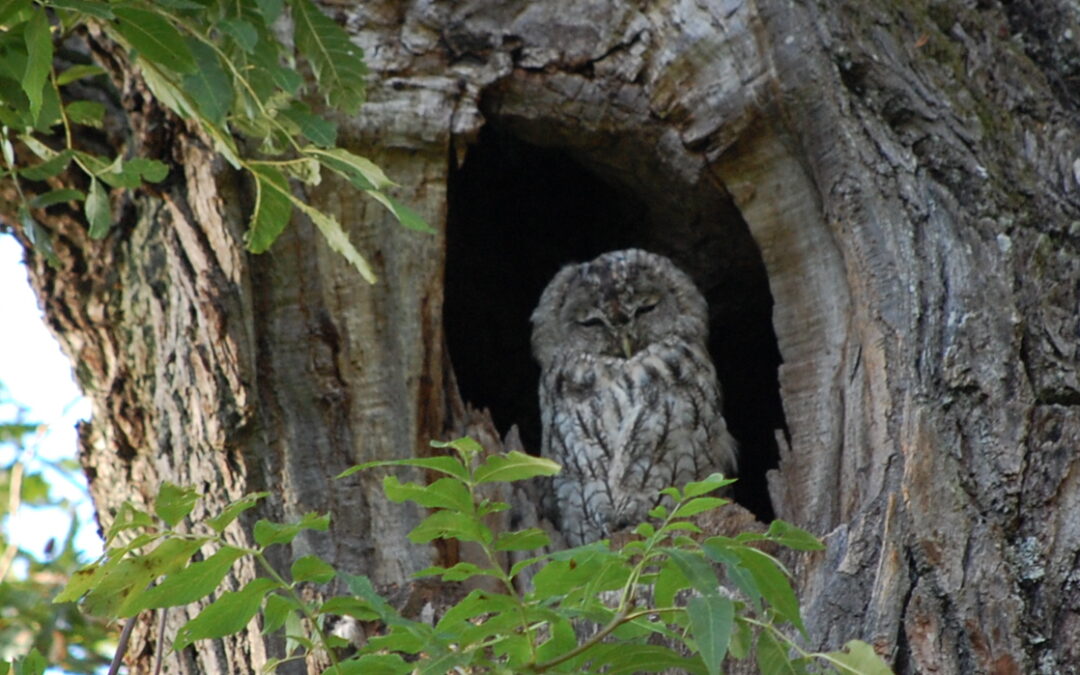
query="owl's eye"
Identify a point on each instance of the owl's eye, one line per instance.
(590, 322)
(646, 307)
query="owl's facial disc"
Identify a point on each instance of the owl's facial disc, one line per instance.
(614, 324)
(614, 315)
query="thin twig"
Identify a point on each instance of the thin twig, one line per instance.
(121, 646)
(159, 653)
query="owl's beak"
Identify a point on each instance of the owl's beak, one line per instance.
(626, 346)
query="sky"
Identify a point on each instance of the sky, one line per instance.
(38, 377)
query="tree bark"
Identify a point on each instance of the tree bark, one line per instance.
(903, 177)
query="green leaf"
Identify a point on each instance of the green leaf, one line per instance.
(296, 634)
(336, 237)
(449, 525)
(520, 565)
(338, 64)
(86, 578)
(514, 650)
(56, 197)
(319, 131)
(118, 588)
(772, 583)
(168, 93)
(13, 12)
(447, 662)
(35, 490)
(372, 664)
(13, 433)
(99, 10)
(772, 656)
(447, 465)
(77, 73)
(523, 540)
(711, 620)
(445, 493)
(697, 570)
(699, 505)
(788, 535)
(90, 113)
(307, 171)
(267, 533)
(741, 640)
(49, 168)
(485, 507)
(459, 572)
(181, 4)
(476, 603)
(578, 568)
(31, 664)
(39, 51)
(734, 569)
(155, 38)
(638, 658)
(37, 147)
(270, 9)
(242, 32)
(127, 517)
(354, 607)
(50, 110)
(226, 615)
(711, 482)
(859, 658)
(210, 87)
(673, 492)
(360, 171)
(273, 208)
(146, 169)
(360, 585)
(312, 568)
(174, 503)
(680, 526)
(266, 75)
(406, 216)
(465, 446)
(233, 510)
(514, 466)
(562, 639)
(118, 173)
(194, 582)
(668, 583)
(276, 611)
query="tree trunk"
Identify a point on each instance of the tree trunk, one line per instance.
(880, 201)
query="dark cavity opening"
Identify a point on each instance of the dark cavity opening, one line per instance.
(518, 212)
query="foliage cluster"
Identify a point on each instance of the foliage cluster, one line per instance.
(672, 609)
(233, 68)
(29, 620)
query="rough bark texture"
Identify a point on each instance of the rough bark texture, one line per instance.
(904, 175)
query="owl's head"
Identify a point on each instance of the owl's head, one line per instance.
(617, 305)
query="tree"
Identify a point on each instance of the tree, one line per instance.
(879, 199)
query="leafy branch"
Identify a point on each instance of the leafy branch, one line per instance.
(672, 610)
(225, 66)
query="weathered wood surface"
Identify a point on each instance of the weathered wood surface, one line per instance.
(909, 174)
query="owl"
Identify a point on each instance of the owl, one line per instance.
(629, 399)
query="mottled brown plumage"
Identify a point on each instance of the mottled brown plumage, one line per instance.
(629, 399)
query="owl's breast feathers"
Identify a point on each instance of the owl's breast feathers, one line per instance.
(655, 369)
(661, 405)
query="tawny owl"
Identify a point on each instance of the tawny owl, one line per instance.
(629, 398)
